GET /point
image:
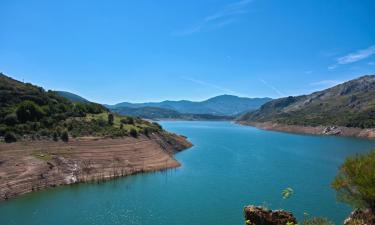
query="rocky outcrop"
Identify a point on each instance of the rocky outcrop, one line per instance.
(361, 217)
(35, 165)
(255, 215)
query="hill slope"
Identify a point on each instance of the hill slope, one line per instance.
(351, 104)
(72, 97)
(29, 112)
(224, 105)
(157, 113)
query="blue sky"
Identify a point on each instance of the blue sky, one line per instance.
(145, 50)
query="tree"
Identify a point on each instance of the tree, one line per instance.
(110, 119)
(55, 136)
(133, 132)
(355, 182)
(11, 119)
(29, 111)
(128, 120)
(65, 136)
(10, 137)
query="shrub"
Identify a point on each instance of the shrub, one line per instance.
(133, 132)
(55, 136)
(110, 119)
(10, 137)
(128, 120)
(65, 136)
(355, 182)
(11, 119)
(317, 221)
(157, 125)
(29, 111)
(146, 131)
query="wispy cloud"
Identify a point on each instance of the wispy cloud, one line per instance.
(354, 57)
(371, 63)
(210, 85)
(227, 15)
(280, 93)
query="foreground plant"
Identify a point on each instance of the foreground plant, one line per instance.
(355, 182)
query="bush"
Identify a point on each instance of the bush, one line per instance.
(133, 132)
(65, 136)
(355, 182)
(128, 120)
(157, 125)
(29, 111)
(110, 119)
(55, 136)
(11, 119)
(10, 137)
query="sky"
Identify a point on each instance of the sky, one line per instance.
(146, 50)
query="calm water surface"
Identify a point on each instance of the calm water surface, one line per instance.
(229, 167)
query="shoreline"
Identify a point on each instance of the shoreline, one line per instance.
(319, 130)
(29, 166)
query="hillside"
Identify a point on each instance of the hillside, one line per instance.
(351, 104)
(95, 144)
(28, 112)
(224, 105)
(72, 97)
(157, 113)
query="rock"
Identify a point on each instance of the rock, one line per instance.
(361, 217)
(256, 215)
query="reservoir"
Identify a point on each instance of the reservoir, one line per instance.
(230, 166)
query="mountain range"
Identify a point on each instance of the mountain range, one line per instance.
(350, 104)
(223, 105)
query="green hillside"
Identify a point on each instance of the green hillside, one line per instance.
(29, 112)
(72, 97)
(149, 112)
(351, 104)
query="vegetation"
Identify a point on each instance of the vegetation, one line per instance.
(28, 111)
(351, 104)
(355, 182)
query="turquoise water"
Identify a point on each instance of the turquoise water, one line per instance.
(229, 167)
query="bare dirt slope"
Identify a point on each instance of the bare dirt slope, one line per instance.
(31, 166)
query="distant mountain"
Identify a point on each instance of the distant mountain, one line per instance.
(72, 97)
(351, 104)
(150, 112)
(223, 105)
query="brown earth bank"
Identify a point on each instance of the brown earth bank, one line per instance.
(319, 130)
(34, 165)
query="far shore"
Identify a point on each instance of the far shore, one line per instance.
(318, 130)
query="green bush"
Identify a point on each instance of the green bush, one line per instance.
(29, 111)
(55, 136)
(133, 132)
(157, 125)
(110, 119)
(10, 119)
(65, 136)
(355, 182)
(10, 137)
(128, 120)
